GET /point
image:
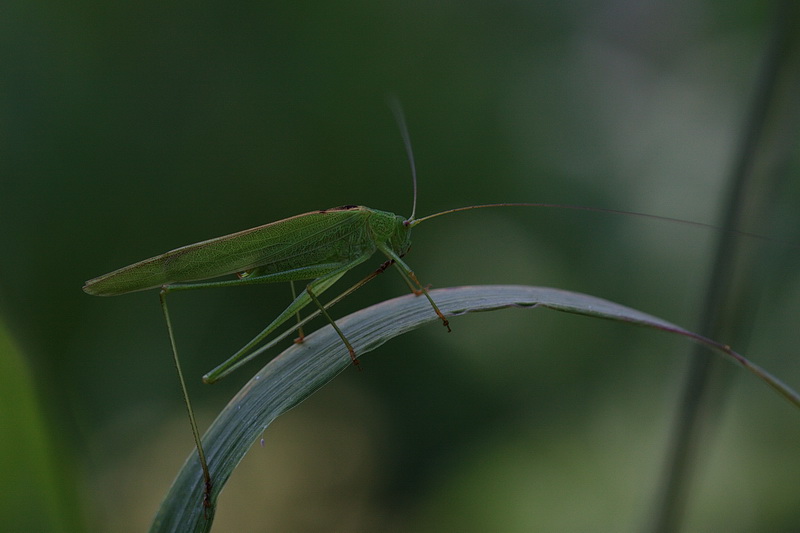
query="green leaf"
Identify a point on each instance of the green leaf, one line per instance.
(303, 368)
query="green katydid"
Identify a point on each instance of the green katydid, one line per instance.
(320, 246)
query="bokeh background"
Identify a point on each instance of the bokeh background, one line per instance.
(129, 129)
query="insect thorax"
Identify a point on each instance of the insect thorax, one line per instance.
(391, 229)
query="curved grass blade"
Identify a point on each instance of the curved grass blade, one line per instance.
(303, 368)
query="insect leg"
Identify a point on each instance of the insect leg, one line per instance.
(195, 432)
(413, 282)
(244, 353)
(311, 316)
(323, 309)
(333, 323)
(300, 335)
(248, 351)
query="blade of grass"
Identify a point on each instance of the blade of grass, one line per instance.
(303, 368)
(768, 139)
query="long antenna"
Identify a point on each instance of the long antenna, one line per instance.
(397, 111)
(399, 116)
(748, 234)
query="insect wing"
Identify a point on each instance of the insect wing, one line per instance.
(301, 240)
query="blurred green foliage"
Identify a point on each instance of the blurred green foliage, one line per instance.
(37, 496)
(131, 128)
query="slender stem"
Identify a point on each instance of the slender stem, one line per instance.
(700, 400)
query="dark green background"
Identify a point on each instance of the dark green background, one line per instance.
(132, 128)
